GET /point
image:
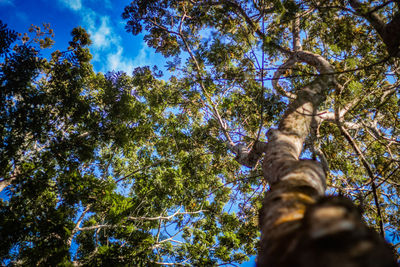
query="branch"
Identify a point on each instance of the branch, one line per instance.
(243, 155)
(325, 69)
(369, 171)
(246, 157)
(167, 218)
(254, 26)
(158, 244)
(317, 61)
(139, 170)
(262, 99)
(390, 32)
(281, 70)
(99, 226)
(172, 263)
(373, 18)
(376, 8)
(296, 34)
(202, 86)
(78, 223)
(384, 180)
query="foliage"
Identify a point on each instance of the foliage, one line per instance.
(91, 161)
(117, 169)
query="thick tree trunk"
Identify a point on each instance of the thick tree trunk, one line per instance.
(298, 226)
(390, 32)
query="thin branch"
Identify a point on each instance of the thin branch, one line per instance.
(78, 223)
(158, 244)
(384, 180)
(139, 170)
(243, 155)
(202, 86)
(170, 263)
(389, 32)
(262, 90)
(253, 26)
(99, 226)
(281, 70)
(375, 20)
(167, 218)
(376, 8)
(369, 171)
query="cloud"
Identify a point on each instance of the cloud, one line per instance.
(103, 36)
(146, 57)
(117, 62)
(71, 4)
(6, 3)
(107, 48)
(107, 45)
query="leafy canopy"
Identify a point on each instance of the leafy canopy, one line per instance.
(118, 169)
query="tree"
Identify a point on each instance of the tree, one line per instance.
(336, 79)
(146, 171)
(99, 170)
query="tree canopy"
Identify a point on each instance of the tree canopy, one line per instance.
(149, 169)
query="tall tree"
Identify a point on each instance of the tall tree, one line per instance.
(288, 97)
(100, 170)
(337, 105)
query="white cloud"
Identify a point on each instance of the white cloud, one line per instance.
(107, 48)
(72, 4)
(146, 57)
(117, 62)
(104, 36)
(107, 45)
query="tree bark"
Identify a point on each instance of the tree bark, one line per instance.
(390, 32)
(300, 227)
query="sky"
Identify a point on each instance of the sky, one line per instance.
(113, 49)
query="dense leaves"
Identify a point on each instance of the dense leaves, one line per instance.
(118, 169)
(233, 48)
(107, 169)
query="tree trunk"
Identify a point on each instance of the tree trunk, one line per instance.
(300, 227)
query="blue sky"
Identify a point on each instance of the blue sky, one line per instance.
(113, 48)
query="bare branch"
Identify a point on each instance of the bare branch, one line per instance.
(281, 70)
(78, 223)
(296, 34)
